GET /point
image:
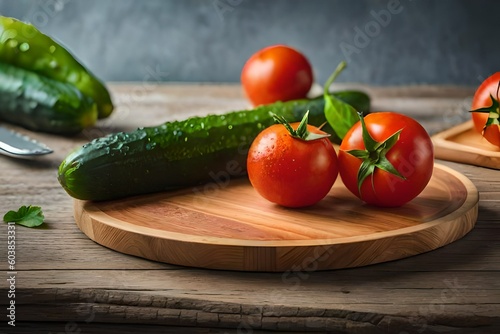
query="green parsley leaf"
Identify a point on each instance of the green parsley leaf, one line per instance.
(29, 216)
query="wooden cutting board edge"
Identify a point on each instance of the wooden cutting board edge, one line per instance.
(88, 206)
(446, 148)
(186, 249)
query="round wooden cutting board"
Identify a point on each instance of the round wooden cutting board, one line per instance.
(227, 225)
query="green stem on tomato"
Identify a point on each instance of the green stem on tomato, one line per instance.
(374, 155)
(301, 133)
(493, 110)
(333, 76)
(340, 115)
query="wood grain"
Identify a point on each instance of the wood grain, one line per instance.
(234, 228)
(462, 143)
(68, 283)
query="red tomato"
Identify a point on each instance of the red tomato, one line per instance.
(482, 99)
(412, 156)
(291, 172)
(276, 73)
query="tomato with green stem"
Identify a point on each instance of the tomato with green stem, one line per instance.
(386, 159)
(293, 165)
(276, 73)
(486, 109)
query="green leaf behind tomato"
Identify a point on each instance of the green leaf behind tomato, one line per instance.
(340, 115)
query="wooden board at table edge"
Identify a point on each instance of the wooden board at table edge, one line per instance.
(462, 144)
(271, 257)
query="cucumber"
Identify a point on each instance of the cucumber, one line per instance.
(24, 46)
(39, 103)
(178, 154)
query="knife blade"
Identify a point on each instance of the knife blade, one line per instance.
(18, 145)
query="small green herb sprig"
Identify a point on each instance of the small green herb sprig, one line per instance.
(29, 216)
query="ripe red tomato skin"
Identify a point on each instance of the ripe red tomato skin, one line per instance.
(412, 156)
(482, 99)
(492, 134)
(276, 73)
(291, 172)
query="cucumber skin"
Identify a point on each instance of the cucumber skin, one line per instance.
(42, 104)
(49, 58)
(179, 154)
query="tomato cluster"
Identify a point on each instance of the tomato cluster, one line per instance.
(390, 169)
(385, 159)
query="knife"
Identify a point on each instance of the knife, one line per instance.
(17, 145)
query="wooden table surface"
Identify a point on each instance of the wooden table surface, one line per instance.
(66, 283)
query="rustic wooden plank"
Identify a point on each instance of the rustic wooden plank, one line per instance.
(131, 309)
(298, 288)
(99, 328)
(180, 281)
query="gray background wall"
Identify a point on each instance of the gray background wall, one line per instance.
(385, 42)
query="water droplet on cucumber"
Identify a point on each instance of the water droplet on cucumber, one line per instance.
(24, 47)
(12, 43)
